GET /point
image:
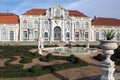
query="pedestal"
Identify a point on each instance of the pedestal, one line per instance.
(107, 66)
(107, 71)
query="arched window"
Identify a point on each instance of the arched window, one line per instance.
(36, 23)
(68, 24)
(25, 23)
(46, 23)
(57, 33)
(77, 25)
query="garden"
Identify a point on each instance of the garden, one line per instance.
(11, 54)
(115, 57)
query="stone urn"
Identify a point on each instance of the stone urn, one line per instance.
(107, 66)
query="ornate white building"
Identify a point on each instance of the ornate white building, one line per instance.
(55, 24)
(100, 25)
(9, 27)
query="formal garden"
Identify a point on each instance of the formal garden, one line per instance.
(11, 54)
(24, 56)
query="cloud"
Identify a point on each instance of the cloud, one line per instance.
(24, 5)
(105, 8)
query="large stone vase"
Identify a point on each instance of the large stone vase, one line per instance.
(107, 66)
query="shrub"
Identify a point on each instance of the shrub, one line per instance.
(47, 58)
(36, 69)
(51, 45)
(26, 59)
(99, 57)
(36, 55)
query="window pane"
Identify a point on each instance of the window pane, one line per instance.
(25, 23)
(36, 23)
(11, 35)
(24, 35)
(36, 35)
(97, 35)
(77, 35)
(46, 36)
(4, 34)
(86, 35)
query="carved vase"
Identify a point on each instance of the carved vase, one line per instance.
(107, 66)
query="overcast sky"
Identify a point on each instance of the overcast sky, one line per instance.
(100, 8)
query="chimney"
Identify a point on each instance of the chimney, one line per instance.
(7, 11)
(95, 17)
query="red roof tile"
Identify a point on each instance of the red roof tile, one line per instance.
(76, 13)
(36, 11)
(106, 21)
(9, 18)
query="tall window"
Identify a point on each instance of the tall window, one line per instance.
(57, 33)
(25, 23)
(77, 35)
(97, 35)
(46, 36)
(11, 35)
(77, 25)
(46, 23)
(24, 35)
(57, 13)
(68, 35)
(68, 24)
(30, 24)
(87, 25)
(4, 35)
(86, 35)
(118, 36)
(36, 23)
(102, 35)
(36, 35)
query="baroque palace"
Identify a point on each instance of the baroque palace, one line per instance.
(55, 24)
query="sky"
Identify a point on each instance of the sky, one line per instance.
(99, 8)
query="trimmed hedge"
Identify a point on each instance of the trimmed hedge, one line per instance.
(51, 45)
(47, 58)
(99, 57)
(13, 66)
(26, 59)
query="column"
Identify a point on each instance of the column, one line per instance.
(62, 32)
(52, 31)
(73, 27)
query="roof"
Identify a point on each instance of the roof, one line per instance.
(76, 13)
(101, 21)
(9, 18)
(36, 11)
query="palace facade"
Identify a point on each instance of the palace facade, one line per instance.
(55, 24)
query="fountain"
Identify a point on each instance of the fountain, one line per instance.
(69, 49)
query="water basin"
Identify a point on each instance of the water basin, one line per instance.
(72, 50)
